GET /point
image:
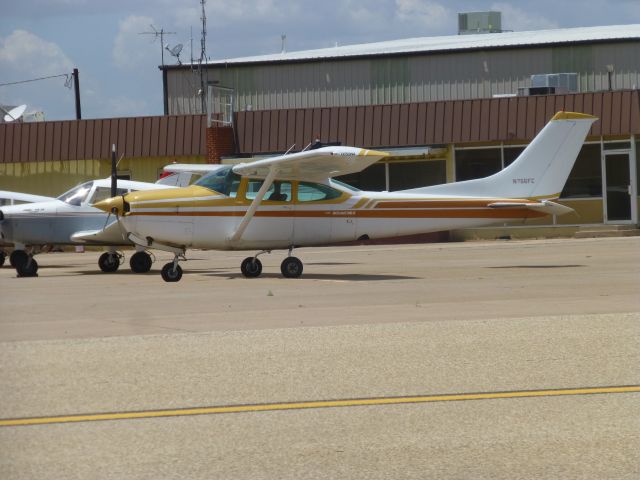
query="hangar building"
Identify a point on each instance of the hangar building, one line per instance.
(445, 107)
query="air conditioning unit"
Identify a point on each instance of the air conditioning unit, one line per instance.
(562, 82)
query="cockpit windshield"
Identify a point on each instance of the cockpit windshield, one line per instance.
(223, 181)
(77, 194)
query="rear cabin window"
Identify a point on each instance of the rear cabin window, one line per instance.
(278, 192)
(315, 192)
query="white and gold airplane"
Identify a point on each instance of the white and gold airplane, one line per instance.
(293, 201)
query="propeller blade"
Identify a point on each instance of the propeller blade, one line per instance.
(114, 172)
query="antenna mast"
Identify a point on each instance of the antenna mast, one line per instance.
(203, 57)
(158, 33)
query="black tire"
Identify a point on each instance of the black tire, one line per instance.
(18, 257)
(28, 269)
(2, 258)
(291, 267)
(108, 262)
(170, 274)
(251, 267)
(140, 262)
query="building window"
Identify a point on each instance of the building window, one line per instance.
(405, 175)
(372, 178)
(477, 163)
(585, 179)
(510, 154)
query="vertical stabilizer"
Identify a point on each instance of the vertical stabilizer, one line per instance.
(540, 171)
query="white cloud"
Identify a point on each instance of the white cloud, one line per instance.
(24, 54)
(130, 49)
(431, 15)
(517, 19)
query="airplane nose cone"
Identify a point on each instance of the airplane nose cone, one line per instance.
(111, 205)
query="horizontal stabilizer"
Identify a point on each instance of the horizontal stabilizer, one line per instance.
(545, 206)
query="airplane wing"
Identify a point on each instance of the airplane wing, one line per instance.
(7, 198)
(112, 234)
(312, 165)
(546, 206)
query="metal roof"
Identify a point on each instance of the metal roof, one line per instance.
(448, 44)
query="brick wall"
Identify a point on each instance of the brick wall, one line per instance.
(220, 142)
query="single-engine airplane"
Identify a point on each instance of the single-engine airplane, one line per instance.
(292, 201)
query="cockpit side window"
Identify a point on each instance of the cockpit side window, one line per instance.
(76, 195)
(223, 181)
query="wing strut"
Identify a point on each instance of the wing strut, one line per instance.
(266, 185)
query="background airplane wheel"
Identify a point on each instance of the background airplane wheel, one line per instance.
(28, 269)
(251, 267)
(140, 262)
(2, 257)
(291, 267)
(170, 274)
(108, 262)
(18, 257)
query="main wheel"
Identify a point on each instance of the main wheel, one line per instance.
(108, 262)
(251, 267)
(28, 269)
(18, 257)
(171, 274)
(2, 257)
(140, 262)
(291, 267)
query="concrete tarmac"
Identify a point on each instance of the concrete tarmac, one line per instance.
(362, 323)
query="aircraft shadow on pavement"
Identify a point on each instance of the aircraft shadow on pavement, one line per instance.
(347, 277)
(538, 266)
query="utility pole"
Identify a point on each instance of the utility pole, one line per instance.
(76, 87)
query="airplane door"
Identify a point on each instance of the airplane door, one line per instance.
(273, 221)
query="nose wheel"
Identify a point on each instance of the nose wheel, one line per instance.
(171, 272)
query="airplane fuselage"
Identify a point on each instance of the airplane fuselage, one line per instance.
(200, 218)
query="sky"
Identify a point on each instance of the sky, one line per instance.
(119, 75)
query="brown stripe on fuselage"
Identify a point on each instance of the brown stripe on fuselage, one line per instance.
(389, 214)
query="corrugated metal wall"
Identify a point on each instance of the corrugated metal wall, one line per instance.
(432, 123)
(174, 135)
(410, 78)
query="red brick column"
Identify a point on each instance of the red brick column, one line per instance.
(220, 143)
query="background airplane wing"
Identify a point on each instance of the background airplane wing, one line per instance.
(112, 234)
(312, 165)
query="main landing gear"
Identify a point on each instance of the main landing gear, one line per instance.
(140, 262)
(291, 267)
(24, 263)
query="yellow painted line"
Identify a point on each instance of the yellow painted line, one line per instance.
(356, 402)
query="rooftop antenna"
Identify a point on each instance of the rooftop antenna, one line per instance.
(175, 51)
(14, 114)
(283, 37)
(158, 33)
(203, 57)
